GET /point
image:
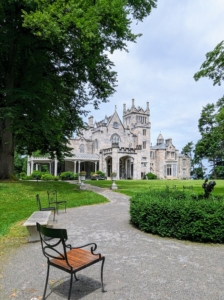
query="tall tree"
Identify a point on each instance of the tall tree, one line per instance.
(212, 120)
(197, 167)
(54, 61)
(210, 144)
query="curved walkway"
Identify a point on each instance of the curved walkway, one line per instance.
(138, 266)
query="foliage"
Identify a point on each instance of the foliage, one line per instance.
(211, 145)
(213, 67)
(151, 176)
(49, 177)
(55, 61)
(18, 200)
(23, 175)
(211, 123)
(101, 173)
(20, 163)
(197, 167)
(68, 176)
(37, 174)
(176, 214)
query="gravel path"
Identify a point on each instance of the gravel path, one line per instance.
(138, 266)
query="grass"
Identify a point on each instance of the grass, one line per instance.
(131, 187)
(18, 200)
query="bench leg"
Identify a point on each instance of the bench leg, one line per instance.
(45, 289)
(103, 290)
(70, 289)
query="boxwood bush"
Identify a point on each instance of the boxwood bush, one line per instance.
(68, 176)
(177, 214)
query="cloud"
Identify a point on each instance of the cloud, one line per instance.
(159, 68)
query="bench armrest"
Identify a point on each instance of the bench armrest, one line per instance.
(93, 248)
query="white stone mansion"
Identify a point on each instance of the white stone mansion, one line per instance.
(121, 147)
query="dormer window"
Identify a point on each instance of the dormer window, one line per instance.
(115, 125)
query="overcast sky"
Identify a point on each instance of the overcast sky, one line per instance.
(160, 67)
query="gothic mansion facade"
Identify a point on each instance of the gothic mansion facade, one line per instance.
(121, 147)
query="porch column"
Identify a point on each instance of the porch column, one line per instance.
(36, 167)
(75, 166)
(79, 181)
(55, 167)
(126, 168)
(31, 167)
(49, 167)
(95, 166)
(28, 168)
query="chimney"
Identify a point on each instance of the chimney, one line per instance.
(90, 119)
(147, 105)
(133, 102)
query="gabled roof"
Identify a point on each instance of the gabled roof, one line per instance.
(160, 146)
(115, 113)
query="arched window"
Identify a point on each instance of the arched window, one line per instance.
(115, 139)
(81, 148)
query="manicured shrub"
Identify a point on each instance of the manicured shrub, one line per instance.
(68, 176)
(176, 214)
(23, 176)
(151, 176)
(47, 177)
(37, 174)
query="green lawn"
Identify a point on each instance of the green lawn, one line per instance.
(130, 187)
(18, 200)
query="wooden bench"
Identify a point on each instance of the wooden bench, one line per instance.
(41, 217)
(188, 187)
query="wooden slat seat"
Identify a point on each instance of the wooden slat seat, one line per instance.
(78, 259)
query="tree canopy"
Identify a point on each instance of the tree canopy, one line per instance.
(53, 62)
(211, 122)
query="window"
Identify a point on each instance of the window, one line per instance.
(144, 145)
(144, 131)
(171, 170)
(115, 125)
(151, 154)
(115, 139)
(81, 148)
(168, 170)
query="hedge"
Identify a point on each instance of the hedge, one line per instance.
(176, 214)
(68, 176)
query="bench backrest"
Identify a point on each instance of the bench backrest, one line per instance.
(53, 243)
(52, 196)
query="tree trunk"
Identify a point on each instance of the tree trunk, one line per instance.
(6, 149)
